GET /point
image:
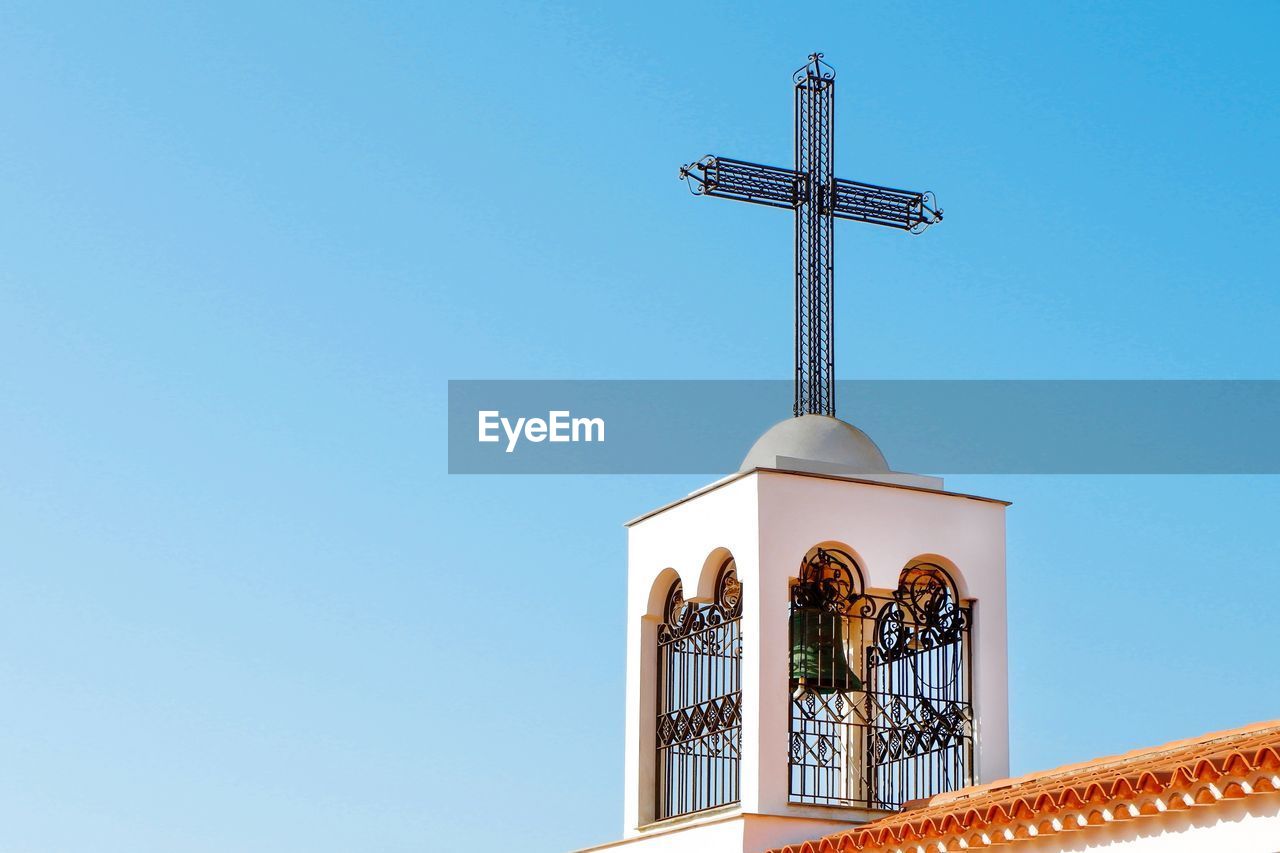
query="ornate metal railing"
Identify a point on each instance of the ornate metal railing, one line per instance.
(699, 725)
(880, 686)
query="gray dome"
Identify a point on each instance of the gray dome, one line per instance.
(816, 438)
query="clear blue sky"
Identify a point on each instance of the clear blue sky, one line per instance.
(242, 605)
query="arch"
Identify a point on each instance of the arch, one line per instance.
(843, 552)
(881, 709)
(698, 688)
(709, 576)
(931, 601)
(826, 673)
(658, 591)
(920, 670)
(959, 582)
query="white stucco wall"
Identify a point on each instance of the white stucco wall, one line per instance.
(680, 541)
(768, 521)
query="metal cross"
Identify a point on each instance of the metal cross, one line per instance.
(818, 198)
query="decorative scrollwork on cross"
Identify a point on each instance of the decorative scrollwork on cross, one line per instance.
(814, 69)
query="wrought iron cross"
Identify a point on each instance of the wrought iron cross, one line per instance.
(818, 198)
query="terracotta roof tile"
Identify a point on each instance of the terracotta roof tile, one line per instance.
(1197, 772)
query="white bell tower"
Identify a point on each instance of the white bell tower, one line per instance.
(815, 640)
(812, 642)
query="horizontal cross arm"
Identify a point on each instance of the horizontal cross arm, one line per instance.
(910, 211)
(737, 179)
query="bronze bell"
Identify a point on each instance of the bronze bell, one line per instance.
(817, 652)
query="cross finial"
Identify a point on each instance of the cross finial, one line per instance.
(815, 68)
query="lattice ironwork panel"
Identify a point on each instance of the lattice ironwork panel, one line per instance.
(815, 248)
(699, 725)
(880, 686)
(725, 177)
(903, 209)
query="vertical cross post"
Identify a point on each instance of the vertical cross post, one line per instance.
(815, 390)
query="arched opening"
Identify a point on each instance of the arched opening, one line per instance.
(699, 724)
(659, 591)
(880, 685)
(921, 722)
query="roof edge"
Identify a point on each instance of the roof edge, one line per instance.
(724, 481)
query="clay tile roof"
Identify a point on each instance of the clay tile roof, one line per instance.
(1199, 771)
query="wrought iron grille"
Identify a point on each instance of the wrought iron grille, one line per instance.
(905, 209)
(880, 686)
(815, 243)
(699, 726)
(818, 199)
(725, 177)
